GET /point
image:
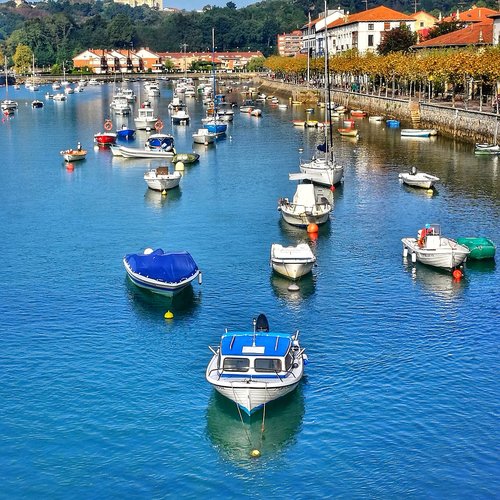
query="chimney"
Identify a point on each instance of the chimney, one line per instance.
(480, 39)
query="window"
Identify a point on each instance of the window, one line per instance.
(236, 364)
(421, 24)
(267, 365)
(387, 26)
(288, 361)
(371, 26)
(370, 40)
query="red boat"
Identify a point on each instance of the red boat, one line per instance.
(107, 137)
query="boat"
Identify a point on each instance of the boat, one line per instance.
(74, 154)
(125, 133)
(176, 104)
(160, 142)
(59, 97)
(36, 104)
(433, 249)
(185, 157)
(120, 105)
(358, 113)
(392, 123)
(348, 132)
(418, 179)
(204, 136)
(255, 367)
(256, 112)
(127, 152)
(292, 261)
(107, 137)
(145, 119)
(299, 123)
(308, 206)
(480, 247)
(165, 273)
(9, 105)
(376, 118)
(418, 132)
(180, 117)
(161, 179)
(486, 149)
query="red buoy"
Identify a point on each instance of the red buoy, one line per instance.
(313, 236)
(312, 228)
(70, 167)
(457, 274)
(332, 188)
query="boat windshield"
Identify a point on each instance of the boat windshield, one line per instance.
(267, 365)
(236, 364)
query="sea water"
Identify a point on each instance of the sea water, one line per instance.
(102, 397)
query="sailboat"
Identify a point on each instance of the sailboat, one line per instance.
(213, 124)
(30, 84)
(323, 169)
(8, 106)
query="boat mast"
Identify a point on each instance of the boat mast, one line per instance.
(328, 126)
(213, 72)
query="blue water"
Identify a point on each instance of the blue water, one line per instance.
(101, 397)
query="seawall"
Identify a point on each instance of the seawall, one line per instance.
(467, 125)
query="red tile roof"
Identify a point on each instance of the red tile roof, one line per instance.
(473, 15)
(380, 13)
(475, 34)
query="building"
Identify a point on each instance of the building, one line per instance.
(473, 15)
(496, 28)
(311, 39)
(423, 23)
(289, 44)
(153, 4)
(365, 30)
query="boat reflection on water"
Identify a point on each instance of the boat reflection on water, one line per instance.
(480, 266)
(157, 200)
(280, 285)
(236, 439)
(439, 282)
(146, 303)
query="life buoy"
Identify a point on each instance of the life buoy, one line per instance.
(158, 125)
(108, 125)
(421, 239)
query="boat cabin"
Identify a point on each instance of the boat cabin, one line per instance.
(261, 355)
(431, 235)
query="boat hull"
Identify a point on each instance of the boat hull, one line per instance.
(158, 182)
(448, 255)
(303, 219)
(74, 155)
(144, 153)
(291, 269)
(319, 172)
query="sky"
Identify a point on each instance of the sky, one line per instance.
(199, 4)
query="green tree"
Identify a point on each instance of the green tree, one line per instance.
(443, 28)
(397, 40)
(256, 64)
(23, 58)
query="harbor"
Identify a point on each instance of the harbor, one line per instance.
(104, 394)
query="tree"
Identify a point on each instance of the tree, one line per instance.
(256, 64)
(22, 58)
(231, 5)
(443, 28)
(397, 40)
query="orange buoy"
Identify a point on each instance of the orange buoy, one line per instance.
(332, 188)
(313, 236)
(312, 228)
(457, 274)
(70, 167)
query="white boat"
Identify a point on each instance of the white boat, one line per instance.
(180, 117)
(144, 153)
(59, 97)
(487, 149)
(161, 179)
(204, 136)
(176, 104)
(375, 118)
(120, 105)
(308, 206)
(8, 105)
(430, 248)
(418, 179)
(418, 132)
(74, 154)
(145, 119)
(293, 261)
(255, 367)
(153, 89)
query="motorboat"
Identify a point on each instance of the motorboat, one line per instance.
(8, 105)
(392, 123)
(418, 132)
(127, 152)
(59, 97)
(165, 273)
(308, 206)
(486, 149)
(414, 178)
(433, 249)
(105, 138)
(348, 132)
(36, 104)
(216, 127)
(120, 105)
(479, 246)
(74, 154)
(177, 104)
(160, 142)
(292, 261)
(204, 136)
(180, 117)
(358, 113)
(125, 133)
(161, 179)
(376, 118)
(145, 119)
(185, 157)
(253, 368)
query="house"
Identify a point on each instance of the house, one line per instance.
(365, 30)
(473, 15)
(423, 23)
(289, 44)
(496, 28)
(310, 36)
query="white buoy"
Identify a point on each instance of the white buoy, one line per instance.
(200, 279)
(179, 166)
(414, 257)
(405, 252)
(293, 287)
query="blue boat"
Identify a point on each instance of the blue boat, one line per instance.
(160, 142)
(161, 272)
(125, 133)
(255, 367)
(392, 123)
(216, 127)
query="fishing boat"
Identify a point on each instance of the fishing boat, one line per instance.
(433, 249)
(145, 119)
(418, 179)
(161, 179)
(107, 137)
(185, 157)
(255, 367)
(204, 136)
(480, 247)
(308, 206)
(74, 154)
(125, 133)
(165, 273)
(486, 149)
(418, 132)
(180, 117)
(292, 261)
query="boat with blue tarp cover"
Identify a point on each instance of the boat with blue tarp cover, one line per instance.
(161, 272)
(255, 367)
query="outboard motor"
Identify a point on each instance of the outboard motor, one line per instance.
(262, 325)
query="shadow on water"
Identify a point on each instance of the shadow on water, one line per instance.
(150, 304)
(157, 200)
(280, 284)
(480, 266)
(236, 439)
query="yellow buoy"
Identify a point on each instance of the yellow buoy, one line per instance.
(164, 192)
(179, 165)
(430, 191)
(255, 453)
(168, 315)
